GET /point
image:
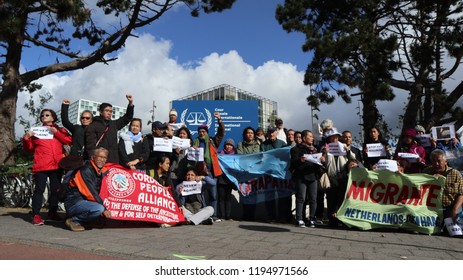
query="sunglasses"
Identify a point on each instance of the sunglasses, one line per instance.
(85, 118)
(45, 115)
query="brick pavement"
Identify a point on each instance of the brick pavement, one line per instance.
(221, 241)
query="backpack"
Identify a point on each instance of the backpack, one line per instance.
(70, 164)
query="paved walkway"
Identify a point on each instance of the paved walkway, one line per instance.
(225, 240)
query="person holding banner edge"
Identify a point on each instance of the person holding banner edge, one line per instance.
(83, 203)
(452, 197)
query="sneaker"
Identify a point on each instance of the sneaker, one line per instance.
(73, 225)
(54, 217)
(165, 225)
(208, 221)
(37, 220)
(216, 220)
(311, 224)
(300, 224)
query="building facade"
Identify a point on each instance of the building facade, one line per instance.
(267, 109)
(77, 107)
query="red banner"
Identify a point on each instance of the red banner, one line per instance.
(135, 196)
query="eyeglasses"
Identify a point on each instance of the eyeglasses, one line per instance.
(85, 118)
(45, 115)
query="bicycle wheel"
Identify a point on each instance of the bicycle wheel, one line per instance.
(11, 191)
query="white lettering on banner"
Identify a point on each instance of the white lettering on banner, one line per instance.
(156, 200)
(153, 188)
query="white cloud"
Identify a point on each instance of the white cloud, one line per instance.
(145, 69)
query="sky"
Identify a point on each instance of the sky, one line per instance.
(179, 55)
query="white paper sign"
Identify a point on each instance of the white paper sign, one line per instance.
(176, 126)
(409, 157)
(191, 187)
(42, 132)
(452, 228)
(376, 150)
(180, 143)
(443, 132)
(162, 145)
(195, 154)
(425, 139)
(315, 158)
(387, 164)
(336, 149)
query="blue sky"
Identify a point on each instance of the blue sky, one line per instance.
(179, 55)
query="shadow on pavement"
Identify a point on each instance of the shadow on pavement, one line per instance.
(264, 228)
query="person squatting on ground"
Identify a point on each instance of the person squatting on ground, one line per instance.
(47, 154)
(83, 203)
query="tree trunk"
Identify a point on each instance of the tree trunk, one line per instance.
(9, 94)
(370, 114)
(411, 113)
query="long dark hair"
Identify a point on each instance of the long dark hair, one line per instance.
(370, 140)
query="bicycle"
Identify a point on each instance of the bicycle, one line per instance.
(11, 188)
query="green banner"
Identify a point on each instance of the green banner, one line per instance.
(384, 199)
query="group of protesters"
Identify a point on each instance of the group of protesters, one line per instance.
(95, 141)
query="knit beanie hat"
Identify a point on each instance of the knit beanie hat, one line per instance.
(229, 141)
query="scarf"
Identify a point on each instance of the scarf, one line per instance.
(129, 141)
(207, 152)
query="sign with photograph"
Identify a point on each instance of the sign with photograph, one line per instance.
(444, 132)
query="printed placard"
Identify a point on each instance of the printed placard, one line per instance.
(409, 157)
(195, 154)
(180, 143)
(376, 150)
(443, 132)
(42, 132)
(337, 149)
(191, 187)
(176, 126)
(162, 145)
(315, 158)
(387, 164)
(425, 139)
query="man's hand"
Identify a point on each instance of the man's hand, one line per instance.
(130, 99)
(66, 102)
(107, 213)
(217, 115)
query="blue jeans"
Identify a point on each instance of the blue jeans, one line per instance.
(211, 189)
(85, 211)
(306, 193)
(40, 181)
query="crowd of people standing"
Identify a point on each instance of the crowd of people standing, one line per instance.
(96, 141)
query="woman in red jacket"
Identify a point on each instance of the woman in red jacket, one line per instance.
(48, 150)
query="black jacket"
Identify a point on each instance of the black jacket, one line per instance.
(94, 131)
(306, 170)
(77, 131)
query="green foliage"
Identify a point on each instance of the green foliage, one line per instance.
(33, 110)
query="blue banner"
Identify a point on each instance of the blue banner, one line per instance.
(259, 176)
(236, 115)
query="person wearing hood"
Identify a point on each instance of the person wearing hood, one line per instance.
(102, 132)
(48, 151)
(410, 145)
